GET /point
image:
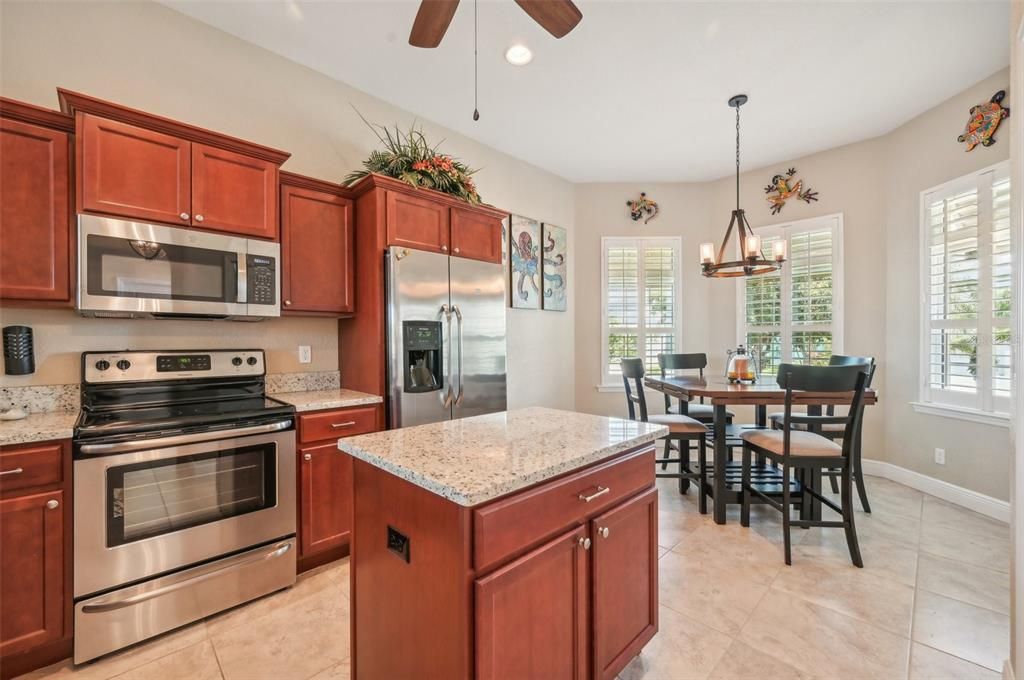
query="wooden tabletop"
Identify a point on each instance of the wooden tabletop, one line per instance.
(721, 391)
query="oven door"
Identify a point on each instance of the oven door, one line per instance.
(144, 513)
(136, 269)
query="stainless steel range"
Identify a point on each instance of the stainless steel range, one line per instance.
(184, 476)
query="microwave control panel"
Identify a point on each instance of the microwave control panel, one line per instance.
(261, 279)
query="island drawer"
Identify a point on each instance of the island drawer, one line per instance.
(345, 422)
(31, 465)
(512, 524)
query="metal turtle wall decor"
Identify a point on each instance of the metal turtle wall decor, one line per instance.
(785, 187)
(984, 120)
(639, 207)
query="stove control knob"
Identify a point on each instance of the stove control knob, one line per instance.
(124, 364)
(102, 365)
(251, 361)
(237, 361)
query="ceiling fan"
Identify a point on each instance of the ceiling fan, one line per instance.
(557, 17)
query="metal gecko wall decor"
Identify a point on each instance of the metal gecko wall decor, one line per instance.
(639, 207)
(783, 188)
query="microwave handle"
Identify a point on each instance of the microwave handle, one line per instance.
(243, 279)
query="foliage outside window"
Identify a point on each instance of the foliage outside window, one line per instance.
(794, 315)
(640, 302)
(967, 280)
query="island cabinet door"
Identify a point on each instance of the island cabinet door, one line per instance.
(325, 498)
(625, 573)
(531, 615)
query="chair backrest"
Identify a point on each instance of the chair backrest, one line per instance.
(695, 361)
(847, 360)
(840, 378)
(633, 369)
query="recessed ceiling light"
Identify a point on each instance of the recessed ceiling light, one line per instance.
(518, 55)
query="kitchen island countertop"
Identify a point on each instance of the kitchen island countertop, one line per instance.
(475, 460)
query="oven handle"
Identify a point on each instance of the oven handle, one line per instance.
(178, 440)
(107, 605)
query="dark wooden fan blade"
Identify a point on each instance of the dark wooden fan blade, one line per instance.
(558, 17)
(432, 21)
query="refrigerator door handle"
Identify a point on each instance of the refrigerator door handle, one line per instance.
(458, 317)
(449, 395)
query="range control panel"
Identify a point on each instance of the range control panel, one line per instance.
(140, 366)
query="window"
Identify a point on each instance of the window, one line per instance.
(967, 280)
(640, 302)
(794, 315)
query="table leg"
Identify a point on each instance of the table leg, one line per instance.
(720, 463)
(761, 420)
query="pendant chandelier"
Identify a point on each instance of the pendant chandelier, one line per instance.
(754, 262)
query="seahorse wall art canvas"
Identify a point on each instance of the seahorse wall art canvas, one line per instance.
(553, 267)
(524, 248)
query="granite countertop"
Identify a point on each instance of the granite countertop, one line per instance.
(316, 400)
(38, 427)
(474, 460)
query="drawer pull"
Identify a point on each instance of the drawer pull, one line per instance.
(15, 471)
(339, 425)
(601, 490)
(603, 532)
(584, 543)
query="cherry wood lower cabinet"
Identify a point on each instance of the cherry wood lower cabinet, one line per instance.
(574, 599)
(35, 560)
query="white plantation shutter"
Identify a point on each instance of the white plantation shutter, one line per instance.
(640, 301)
(795, 315)
(967, 280)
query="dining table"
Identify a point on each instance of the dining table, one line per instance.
(722, 393)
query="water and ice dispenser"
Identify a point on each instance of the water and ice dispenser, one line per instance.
(421, 354)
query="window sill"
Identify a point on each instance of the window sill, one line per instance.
(960, 413)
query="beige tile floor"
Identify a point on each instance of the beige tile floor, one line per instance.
(932, 602)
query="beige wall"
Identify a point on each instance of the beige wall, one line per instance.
(147, 56)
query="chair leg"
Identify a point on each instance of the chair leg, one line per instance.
(702, 464)
(835, 483)
(858, 472)
(668, 454)
(785, 512)
(745, 488)
(848, 522)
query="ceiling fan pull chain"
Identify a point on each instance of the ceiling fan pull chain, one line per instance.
(476, 77)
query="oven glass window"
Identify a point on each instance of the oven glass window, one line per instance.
(158, 497)
(145, 269)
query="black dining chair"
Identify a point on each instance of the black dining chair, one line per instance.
(681, 429)
(835, 431)
(671, 365)
(805, 450)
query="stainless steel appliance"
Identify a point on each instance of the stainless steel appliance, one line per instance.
(446, 335)
(184, 503)
(133, 269)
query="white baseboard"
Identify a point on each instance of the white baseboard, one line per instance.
(972, 500)
(1007, 670)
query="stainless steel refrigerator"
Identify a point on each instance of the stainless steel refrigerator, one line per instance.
(446, 337)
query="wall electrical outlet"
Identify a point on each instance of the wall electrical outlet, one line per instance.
(940, 456)
(305, 354)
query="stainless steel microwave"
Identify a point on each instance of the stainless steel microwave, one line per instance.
(134, 269)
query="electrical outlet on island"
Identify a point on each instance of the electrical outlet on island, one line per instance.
(305, 354)
(940, 456)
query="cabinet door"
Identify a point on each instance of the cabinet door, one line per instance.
(417, 222)
(625, 557)
(233, 193)
(34, 213)
(531, 616)
(316, 242)
(133, 172)
(476, 236)
(325, 498)
(31, 571)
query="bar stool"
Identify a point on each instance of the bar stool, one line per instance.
(681, 429)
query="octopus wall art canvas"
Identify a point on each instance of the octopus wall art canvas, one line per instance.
(553, 267)
(525, 249)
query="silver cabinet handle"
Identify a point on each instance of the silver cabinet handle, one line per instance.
(603, 532)
(601, 490)
(52, 504)
(350, 423)
(584, 543)
(199, 218)
(15, 471)
(462, 384)
(456, 250)
(444, 249)
(287, 303)
(308, 456)
(449, 394)
(183, 216)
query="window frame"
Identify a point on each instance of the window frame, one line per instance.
(981, 405)
(786, 327)
(609, 381)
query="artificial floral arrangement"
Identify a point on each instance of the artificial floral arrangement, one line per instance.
(409, 157)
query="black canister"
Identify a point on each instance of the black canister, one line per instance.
(19, 357)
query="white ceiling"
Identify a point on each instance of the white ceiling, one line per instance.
(637, 92)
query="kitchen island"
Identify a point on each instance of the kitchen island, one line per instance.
(520, 544)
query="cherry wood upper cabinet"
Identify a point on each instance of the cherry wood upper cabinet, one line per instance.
(625, 585)
(317, 249)
(417, 222)
(31, 571)
(325, 498)
(35, 211)
(132, 172)
(475, 235)
(531, 616)
(233, 193)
